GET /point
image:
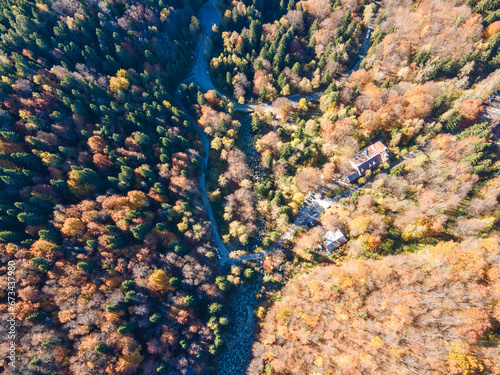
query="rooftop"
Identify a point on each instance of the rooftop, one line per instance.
(334, 235)
(369, 152)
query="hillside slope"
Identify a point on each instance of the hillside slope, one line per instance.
(435, 312)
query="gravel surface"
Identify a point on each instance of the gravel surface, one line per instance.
(235, 359)
(246, 143)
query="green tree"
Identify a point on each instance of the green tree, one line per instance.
(314, 27)
(286, 90)
(155, 318)
(128, 284)
(126, 177)
(129, 296)
(174, 281)
(115, 242)
(248, 273)
(143, 140)
(36, 317)
(297, 69)
(285, 151)
(189, 300)
(127, 327)
(397, 170)
(179, 248)
(140, 231)
(222, 283)
(35, 362)
(256, 123)
(43, 264)
(101, 348)
(114, 307)
(255, 31)
(85, 266)
(262, 92)
(215, 308)
(240, 49)
(354, 197)
(49, 234)
(453, 121)
(52, 342)
(201, 98)
(83, 182)
(269, 369)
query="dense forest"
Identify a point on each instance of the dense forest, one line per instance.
(269, 49)
(252, 209)
(100, 206)
(432, 312)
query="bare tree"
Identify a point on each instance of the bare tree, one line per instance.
(241, 84)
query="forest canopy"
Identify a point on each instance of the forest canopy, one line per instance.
(432, 312)
(129, 193)
(269, 49)
(100, 206)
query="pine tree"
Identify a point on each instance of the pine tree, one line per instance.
(255, 31)
(262, 92)
(140, 231)
(201, 98)
(256, 123)
(126, 177)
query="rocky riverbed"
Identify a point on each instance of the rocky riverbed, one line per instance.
(236, 357)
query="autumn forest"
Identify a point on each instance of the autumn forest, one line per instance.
(249, 187)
